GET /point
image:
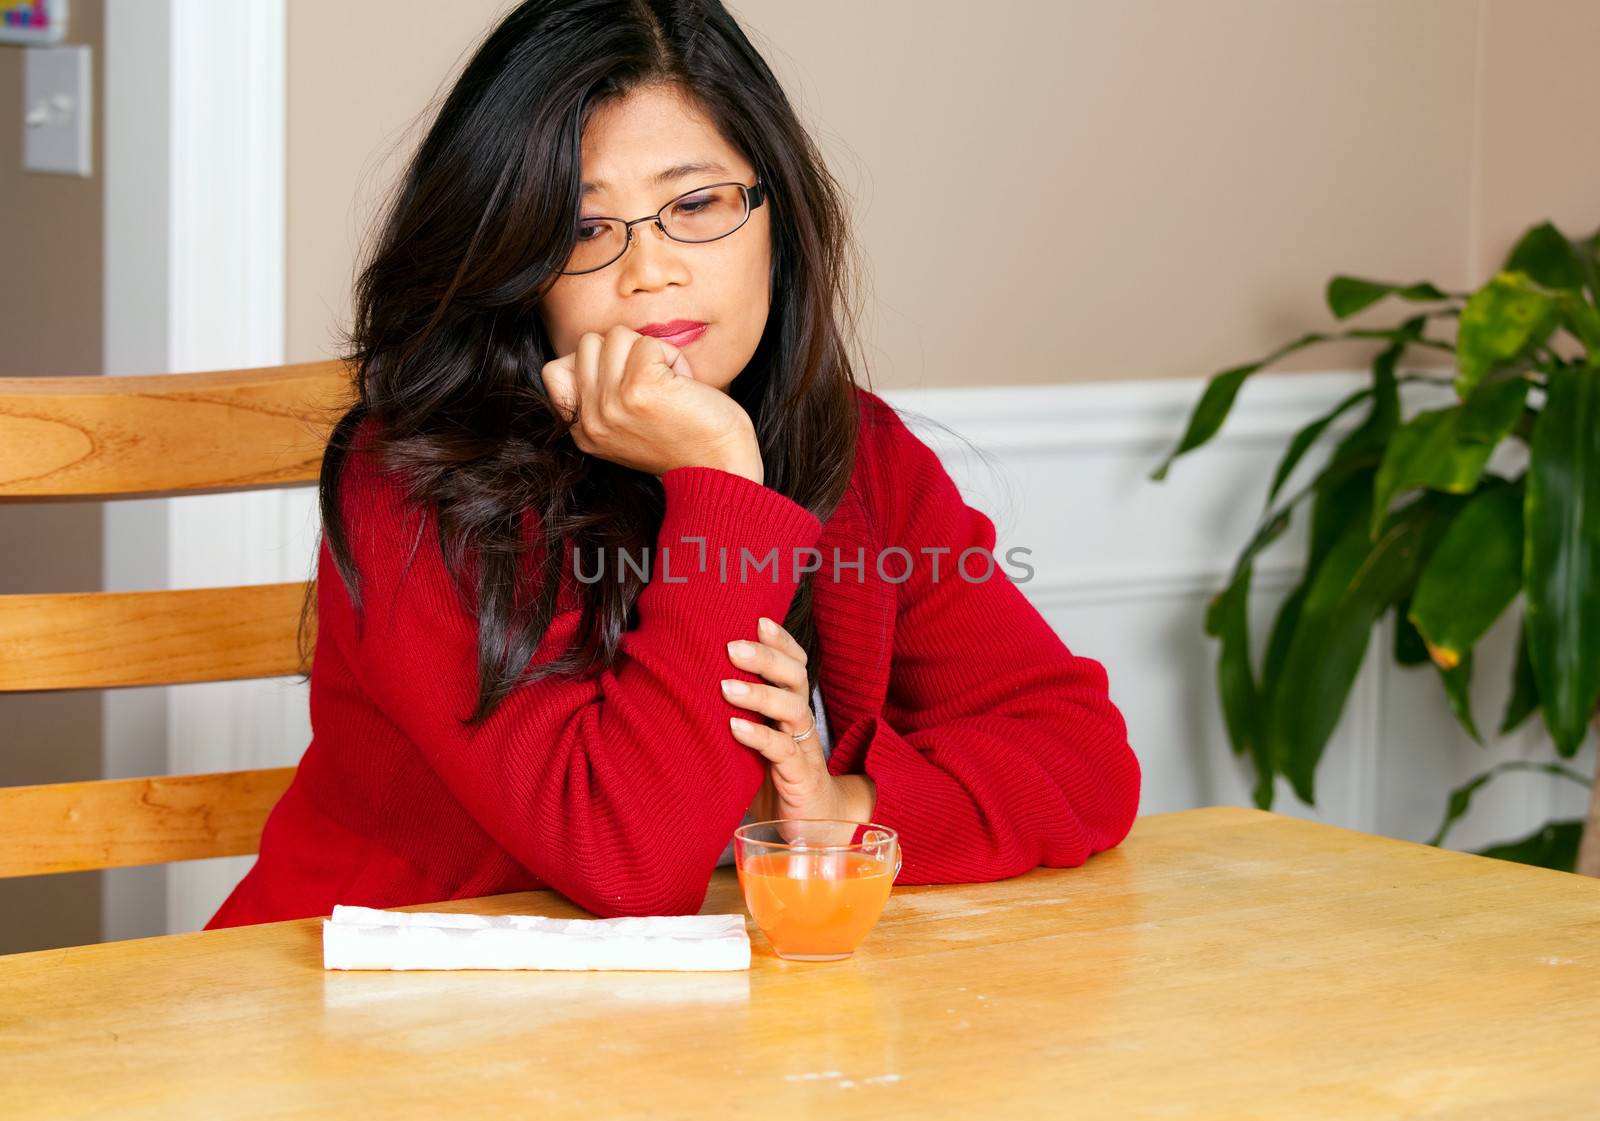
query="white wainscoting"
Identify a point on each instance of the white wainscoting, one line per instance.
(1122, 569)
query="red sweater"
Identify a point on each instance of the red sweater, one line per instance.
(994, 748)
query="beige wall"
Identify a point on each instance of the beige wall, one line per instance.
(1540, 148)
(51, 231)
(1180, 177)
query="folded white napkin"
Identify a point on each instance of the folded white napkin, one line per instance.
(367, 938)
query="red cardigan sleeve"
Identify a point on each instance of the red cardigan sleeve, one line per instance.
(998, 750)
(619, 790)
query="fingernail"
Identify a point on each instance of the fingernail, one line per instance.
(740, 725)
(768, 625)
(735, 688)
(739, 648)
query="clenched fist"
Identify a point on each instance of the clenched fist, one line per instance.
(633, 399)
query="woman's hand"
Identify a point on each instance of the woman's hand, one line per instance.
(633, 399)
(798, 783)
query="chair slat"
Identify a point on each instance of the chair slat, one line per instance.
(167, 434)
(92, 438)
(100, 640)
(114, 823)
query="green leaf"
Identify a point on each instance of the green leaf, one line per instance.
(1228, 618)
(1461, 796)
(1553, 261)
(1357, 581)
(1278, 641)
(1307, 436)
(1384, 417)
(1580, 318)
(1524, 689)
(1562, 553)
(1427, 451)
(1347, 295)
(1217, 400)
(1457, 689)
(1503, 320)
(1409, 647)
(1344, 488)
(1545, 255)
(1320, 665)
(1472, 576)
(1345, 480)
(1343, 496)
(1495, 404)
(1555, 845)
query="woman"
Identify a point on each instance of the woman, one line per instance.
(610, 517)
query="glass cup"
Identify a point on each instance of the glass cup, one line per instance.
(815, 900)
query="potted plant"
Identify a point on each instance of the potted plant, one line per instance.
(1407, 516)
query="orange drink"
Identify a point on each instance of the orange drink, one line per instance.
(815, 901)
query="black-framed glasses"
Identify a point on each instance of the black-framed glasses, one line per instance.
(703, 214)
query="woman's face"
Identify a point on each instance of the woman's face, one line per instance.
(723, 283)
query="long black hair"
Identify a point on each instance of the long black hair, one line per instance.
(447, 347)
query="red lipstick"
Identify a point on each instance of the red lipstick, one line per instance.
(678, 332)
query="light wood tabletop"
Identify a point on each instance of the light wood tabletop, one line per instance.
(1220, 963)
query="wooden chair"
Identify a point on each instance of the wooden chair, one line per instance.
(97, 438)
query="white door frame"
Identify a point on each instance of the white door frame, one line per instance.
(194, 280)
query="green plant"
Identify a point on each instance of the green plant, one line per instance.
(1405, 516)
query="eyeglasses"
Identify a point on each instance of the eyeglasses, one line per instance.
(703, 214)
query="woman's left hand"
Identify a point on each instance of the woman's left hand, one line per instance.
(797, 772)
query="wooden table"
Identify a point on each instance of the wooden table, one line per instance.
(1220, 963)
